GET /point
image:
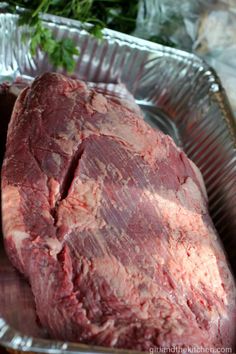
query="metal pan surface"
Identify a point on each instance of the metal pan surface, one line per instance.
(178, 94)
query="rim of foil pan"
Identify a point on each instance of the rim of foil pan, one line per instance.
(10, 59)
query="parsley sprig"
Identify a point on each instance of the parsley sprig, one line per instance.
(115, 14)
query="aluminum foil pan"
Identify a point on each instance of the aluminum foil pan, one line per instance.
(178, 94)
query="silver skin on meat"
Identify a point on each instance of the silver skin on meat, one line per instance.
(108, 220)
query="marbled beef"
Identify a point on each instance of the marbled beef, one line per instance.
(108, 220)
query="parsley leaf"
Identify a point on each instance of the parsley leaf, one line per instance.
(62, 54)
(119, 15)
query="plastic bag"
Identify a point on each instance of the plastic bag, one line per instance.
(205, 27)
(216, 43)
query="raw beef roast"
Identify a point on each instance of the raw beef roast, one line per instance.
(108, 220)
(8, 95)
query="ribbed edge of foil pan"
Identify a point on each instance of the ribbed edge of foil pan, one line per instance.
(15, 340)
(178, 93)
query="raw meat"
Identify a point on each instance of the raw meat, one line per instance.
(8, 94)
(108, 220)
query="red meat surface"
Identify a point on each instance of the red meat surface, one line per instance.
(108, 220)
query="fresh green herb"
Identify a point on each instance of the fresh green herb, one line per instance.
(62, 54)
(119, 15)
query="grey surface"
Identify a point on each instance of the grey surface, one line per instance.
(178, 94)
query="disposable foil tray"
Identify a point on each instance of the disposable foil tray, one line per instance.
(178, 94)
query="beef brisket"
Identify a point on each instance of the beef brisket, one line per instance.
(108, 220)
(8, 95)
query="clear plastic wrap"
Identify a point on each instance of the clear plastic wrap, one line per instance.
(206, 28)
